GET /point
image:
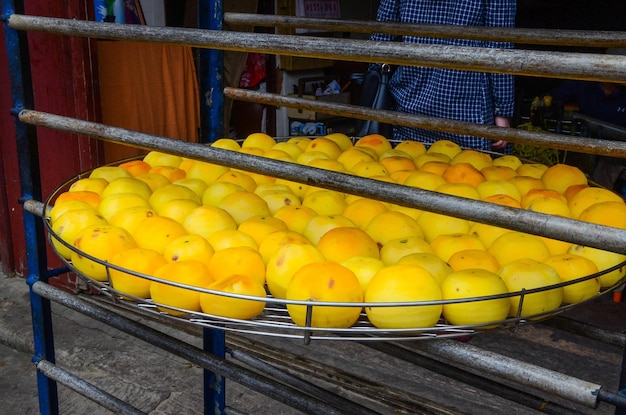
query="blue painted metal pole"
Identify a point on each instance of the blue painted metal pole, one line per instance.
(211, 16)
(19, 73)
(211, 74)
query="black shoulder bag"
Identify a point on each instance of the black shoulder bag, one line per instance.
(374, 93)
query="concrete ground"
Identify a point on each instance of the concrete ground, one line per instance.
(157, 382)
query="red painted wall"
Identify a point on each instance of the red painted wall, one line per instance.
(63, 84)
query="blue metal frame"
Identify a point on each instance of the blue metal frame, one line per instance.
(33, 227)
(211, 74)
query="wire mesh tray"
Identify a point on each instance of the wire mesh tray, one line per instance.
(275, 320)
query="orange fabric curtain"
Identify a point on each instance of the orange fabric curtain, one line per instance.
(150, 88)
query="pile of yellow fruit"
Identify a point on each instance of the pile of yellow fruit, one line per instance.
(198, 224)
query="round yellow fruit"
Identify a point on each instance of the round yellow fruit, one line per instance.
(510, 161)
(341, 243)
(512, 246)
(590, 196)
(435, 224)
(498, 187)
(412, 148)
(131, 218)
(376, 142)
(437, 267)
(352, 156)
(424, 180)
(393, 225)
(325, 202)
(528, 274)
(605, 213)
(70, 224)
(326, 146)
(114, 203)
(179, 300)
(157, 232)
(101, 242)
(60, 208)
(204, 220)
(526, 183)
(207, 172)
(361, 211)
(177, 209)
(109, 173)
(364, 267)
(395, 249)
(198, 186)
(561, 176)
(341, 139)
(447, 147)
(571, 267)
(319, 225)
(472, 259)
(157, 158)
(153, 180)
(260, 140)
(89, 184)
(170, 172)
(226, 144)
(324, 282)
(136, 167)
(223, 305)
(127, 185)
(135, 260)
(241, 260)
(494, 172)
(189, 247)
(474, 283)
(476, 158)
(487, 233)
(285, 262)
(295, 217)
(446, 245)
(292, 149)
(215, 192)
(260, 226)
(230, 238)
(403, 283)
(604, 260)
(535, 170)
(275, 240)
(169, 192)
(242, 205)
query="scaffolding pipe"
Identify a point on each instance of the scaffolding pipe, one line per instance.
(86, 389)
(558, 384)
(581, 66)
(540, 139)
(582, 38)
(570, 230)
(285, 394)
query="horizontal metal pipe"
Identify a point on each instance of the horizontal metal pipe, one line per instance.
(86, 389)
(588, 145)
(574, 231)
(518, 62)
(573, 326)
(243, 376)
(558, 384)
(486, 383)
(586, 38)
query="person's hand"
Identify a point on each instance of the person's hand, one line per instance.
(501, 122)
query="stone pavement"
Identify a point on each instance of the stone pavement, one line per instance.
(160, 383)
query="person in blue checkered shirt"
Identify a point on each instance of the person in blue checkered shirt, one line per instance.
(477, 97)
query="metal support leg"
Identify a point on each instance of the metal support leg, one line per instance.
(19, 74)
(214, 342)
(211, 74)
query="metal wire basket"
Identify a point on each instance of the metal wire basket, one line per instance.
(275, 320)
